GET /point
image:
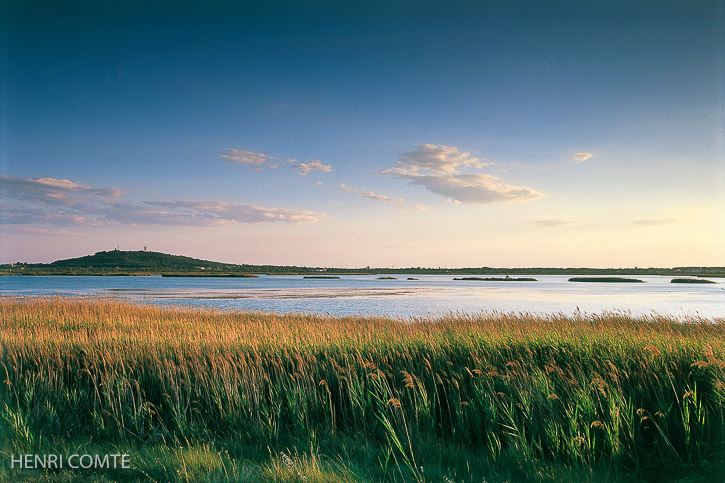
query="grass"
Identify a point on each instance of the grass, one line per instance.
(605, 279)
(204, 395)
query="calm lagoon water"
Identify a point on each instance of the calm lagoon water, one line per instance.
(430, 295)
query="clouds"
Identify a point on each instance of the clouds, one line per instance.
(438, 159)
(474, 188)
(51, 191)
(30, 201)
(221, 213)
(370, 194)
(260, 161)
(437, 168)
(247, 157)
(312, 165)
(581, 157)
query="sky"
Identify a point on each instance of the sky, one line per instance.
(353, 134)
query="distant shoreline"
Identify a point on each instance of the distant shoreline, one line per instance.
(145, 263)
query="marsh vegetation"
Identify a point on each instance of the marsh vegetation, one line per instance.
(205, 395)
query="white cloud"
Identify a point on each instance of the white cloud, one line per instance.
(437, 169)
(43, 201)
(370, 194)
(439, 159)
(312, 165)
(247, 157)
(581, 157)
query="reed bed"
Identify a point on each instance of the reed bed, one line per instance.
(452, 397)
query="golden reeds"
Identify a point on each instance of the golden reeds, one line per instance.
(575, 389)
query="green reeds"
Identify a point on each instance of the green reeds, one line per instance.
(613, 391)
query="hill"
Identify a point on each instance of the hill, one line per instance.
(140, 260)
(118, 262)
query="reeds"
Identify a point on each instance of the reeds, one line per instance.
(603, 391)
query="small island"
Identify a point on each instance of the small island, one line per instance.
(606, 279)
(690, 280)
(209, 274)
(322, 276)
(387, 278)
(498, 279)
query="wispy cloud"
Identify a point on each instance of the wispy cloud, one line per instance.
(26, 201)
(52, 191)
(655, 221)
(370, 194)
(47, 231)
(581, 157)
(474, 188)
(437, 168)
(554, 222)
(258, 160)
(220, 213)
(312, 165)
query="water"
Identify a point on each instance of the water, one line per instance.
(430, 295)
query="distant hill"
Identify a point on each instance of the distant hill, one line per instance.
(140, 260)
(118, 262)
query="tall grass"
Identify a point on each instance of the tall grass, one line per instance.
(612, 392)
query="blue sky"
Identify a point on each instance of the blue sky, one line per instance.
(370, 133)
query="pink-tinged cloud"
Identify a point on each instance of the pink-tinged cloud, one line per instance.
(313, 165)
(219, 212)
(52, 191)
(247, 157)
(28, 201)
